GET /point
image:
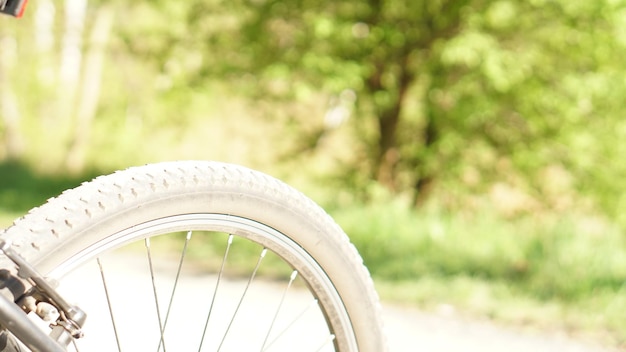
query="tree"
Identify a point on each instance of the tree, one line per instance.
(379, 49)
(442, 87)
(459, 94)
(439, 77)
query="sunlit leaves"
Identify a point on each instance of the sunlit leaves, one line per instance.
(502, 14)
(468, 49)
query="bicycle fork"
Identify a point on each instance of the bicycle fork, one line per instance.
(42, 299)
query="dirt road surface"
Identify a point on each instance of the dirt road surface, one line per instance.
(411, 330)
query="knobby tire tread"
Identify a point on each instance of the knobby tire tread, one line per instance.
(48, 227)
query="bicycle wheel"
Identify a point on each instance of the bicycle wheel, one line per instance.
(229, 221)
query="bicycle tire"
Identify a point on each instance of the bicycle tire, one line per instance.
(85, 220)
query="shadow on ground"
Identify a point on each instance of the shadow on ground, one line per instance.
(22, 187)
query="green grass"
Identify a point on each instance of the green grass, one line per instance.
(6, 218)
(543, 271)
(22, 188)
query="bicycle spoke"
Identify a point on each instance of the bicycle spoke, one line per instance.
(330, 339)
(156, 299)
(232, 319)
(258, 263)
(217, 284)
(292, 323)
(282, 300)
(178, 270)
(106, 292)
(75, 345)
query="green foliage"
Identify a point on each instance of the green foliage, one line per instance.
(534, 253)
(537, 84)
(534, 85)
(453, 257)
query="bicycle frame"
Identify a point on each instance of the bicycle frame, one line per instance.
(18, 323)
(13, 7)
(30, 287)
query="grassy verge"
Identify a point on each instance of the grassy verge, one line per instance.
(540, 271)
(7, 217)
(22, 188)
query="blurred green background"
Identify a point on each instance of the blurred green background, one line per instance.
(474, 150)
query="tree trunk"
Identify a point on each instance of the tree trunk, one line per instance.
(9, 108)
(425, 176)
(71, 56)
(45, 41)
(91, 82)
(388, 155)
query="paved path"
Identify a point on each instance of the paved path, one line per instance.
(411, 330)
(408, 329)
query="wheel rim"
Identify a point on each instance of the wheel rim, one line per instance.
(340, 334)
